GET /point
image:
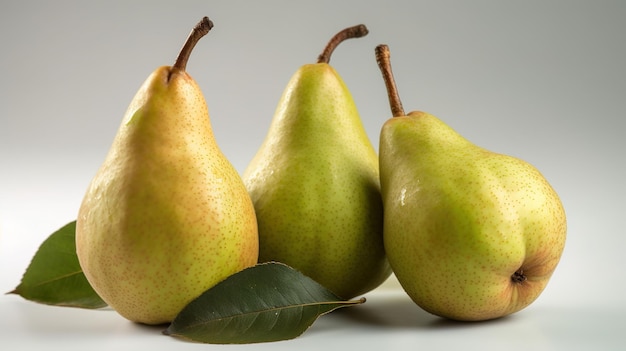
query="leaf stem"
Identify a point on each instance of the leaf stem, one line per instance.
(348, 33)
(384, 63)
(200, 30)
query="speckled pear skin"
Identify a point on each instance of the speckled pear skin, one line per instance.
(460, 221)
(315, 187)
(166, 216)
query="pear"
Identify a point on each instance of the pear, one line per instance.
(470, 234)
(315, 186)
(166, 216)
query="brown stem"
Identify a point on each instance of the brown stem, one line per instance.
(348, 33)
(384, 63)
(200, 30)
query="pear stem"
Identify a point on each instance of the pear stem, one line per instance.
(348, 33)
(384, 63)
(200, 30)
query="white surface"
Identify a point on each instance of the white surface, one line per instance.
(542, 80)
(387, 321)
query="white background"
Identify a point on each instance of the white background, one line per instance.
(541, 80)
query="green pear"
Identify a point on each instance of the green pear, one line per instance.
(315, 186)
(167, 216)
(470, 234)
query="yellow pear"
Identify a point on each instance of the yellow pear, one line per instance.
(315, 186)
(470, 234)
(166, 216)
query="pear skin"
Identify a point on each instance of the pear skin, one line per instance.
(166, 216)
(470, 234)
(315, 186)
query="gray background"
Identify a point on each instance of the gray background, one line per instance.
(541, 80)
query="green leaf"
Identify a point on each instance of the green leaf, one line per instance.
(267, 302)
(54, 276)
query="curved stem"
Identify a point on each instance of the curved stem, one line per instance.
(200, 30)
(384, 63)
(348, 33)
